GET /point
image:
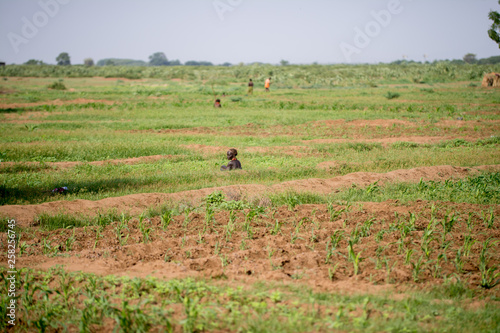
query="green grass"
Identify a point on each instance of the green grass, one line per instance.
(64, 221)
(82, 301)
(481, 189)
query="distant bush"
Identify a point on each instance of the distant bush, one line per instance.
(391, 95)
(58, 85)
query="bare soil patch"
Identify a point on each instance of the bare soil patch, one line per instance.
(137, 203)
(297, 251)
(388, 141)
(55, 102)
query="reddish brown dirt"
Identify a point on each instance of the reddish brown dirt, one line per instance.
(55, 102)
(281, 245)
(64, 165)
(357, 129)
(387, 141)
(137, 203)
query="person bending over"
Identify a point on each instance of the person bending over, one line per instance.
(217, 103)
(233, 162)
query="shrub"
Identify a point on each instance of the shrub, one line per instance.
(391, 95)
(58, 85)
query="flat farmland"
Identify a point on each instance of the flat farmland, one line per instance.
(366, 202)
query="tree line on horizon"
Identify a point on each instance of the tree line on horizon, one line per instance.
(160, 59)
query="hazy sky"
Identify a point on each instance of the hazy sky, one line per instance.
(300, 31)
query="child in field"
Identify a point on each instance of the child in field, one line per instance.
(267, 84)
(250, 87)
(233, 162)
(217, 103)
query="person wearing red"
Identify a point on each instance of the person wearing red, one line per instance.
(267, 84)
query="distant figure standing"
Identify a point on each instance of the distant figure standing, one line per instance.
(233, 162)
(267, 84)
(217, 103)
(250, 87)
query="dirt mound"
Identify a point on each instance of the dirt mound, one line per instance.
(64, 165)
(362, 123)
(137, 203)
(55, 102)
(385, 141)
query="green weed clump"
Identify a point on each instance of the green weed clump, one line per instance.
(391, 95)
(217, 200)
(479, 189)
(58, 85)
(63, 220)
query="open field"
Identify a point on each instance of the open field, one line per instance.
(367, 202)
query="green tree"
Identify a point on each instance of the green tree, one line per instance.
(63, 59)
(470, 58)
(284, 62)
(89, 62)
(494, 31)
(158, 59)
(175, 63)
(34, 62)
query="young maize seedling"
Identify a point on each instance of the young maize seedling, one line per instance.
(166, 257)
(447, 223)
(166, 219)
(98, 235)
(334, 214)
(488, 274)
(69, 242)
(329, 251)
(294, 237)
(216, 249)
(488, 218)
(468, 243)
(470, 222)
(388, 269)
(119, 235)
(409, 252)
(23, 248)
(332, 271)
(313, 239)
(277, 228)
(417, 268)
(209, 215)
(436, 272)
(200, 240)
(224, 260)
(145, 230)
(426, 248)
(459, 263)
(355, 258)
(337, 237)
